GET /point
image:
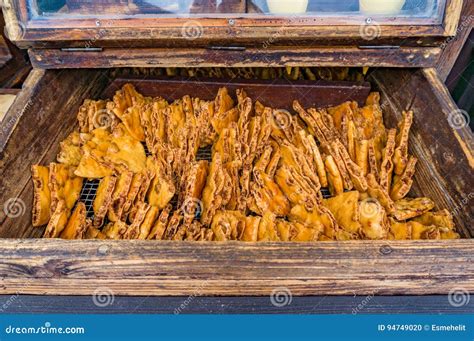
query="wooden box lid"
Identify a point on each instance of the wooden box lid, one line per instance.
(261, 26)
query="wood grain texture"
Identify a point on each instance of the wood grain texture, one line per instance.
(58, 267)
(18, 108)
(150, 32)
(43, 114)
(250, 57)
(361, 304)
(309, 93)
(451, 16)
(452, 46)
(445, 162)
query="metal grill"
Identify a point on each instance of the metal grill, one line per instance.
(88, 193)
(204, 154)
(325, 193)
(147, 152)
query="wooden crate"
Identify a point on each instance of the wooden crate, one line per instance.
(67, 71)
(132, 267)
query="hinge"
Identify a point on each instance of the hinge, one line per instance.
(82, 49)
(227, 48)
(379, 47)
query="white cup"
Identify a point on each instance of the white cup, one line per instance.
(381, 7)
(287, 6)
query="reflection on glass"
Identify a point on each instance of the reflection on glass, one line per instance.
(387, 8)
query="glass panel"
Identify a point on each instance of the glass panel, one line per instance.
(417, 11)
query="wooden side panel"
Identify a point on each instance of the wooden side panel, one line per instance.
(16, 68)
(452, 46)
(58, 267)
(41, 116)
(17, 109)
(451, 17)
(442, 143)
(277, 93)
(5, 54)
(250, 57)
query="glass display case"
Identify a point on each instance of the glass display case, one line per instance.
(388, 11)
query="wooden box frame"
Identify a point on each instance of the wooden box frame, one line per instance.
(61, 267)
(232, 41)
(44, 113)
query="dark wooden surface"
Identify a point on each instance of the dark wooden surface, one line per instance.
(438, 304)
(5, 54)
(461, 78)
(250, 57)
(168, 268)
(277, 93)
(16, 67)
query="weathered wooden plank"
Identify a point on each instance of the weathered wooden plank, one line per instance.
(19, 106)
(150, 32)
(452, 46)
(451, 16)
(442, 144)
(250, 57)
(58, 267)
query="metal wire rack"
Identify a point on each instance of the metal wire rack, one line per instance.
(88, 193)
